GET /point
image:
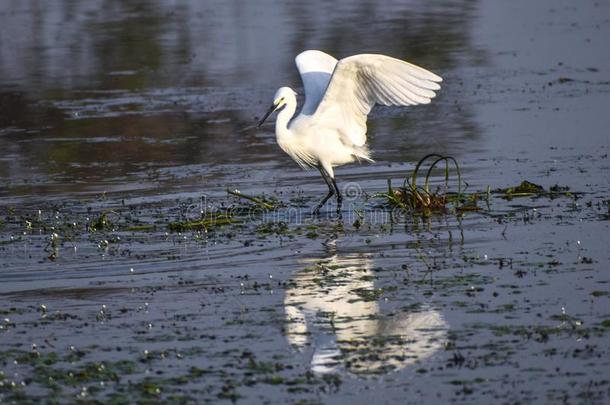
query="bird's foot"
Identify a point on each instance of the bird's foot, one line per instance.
(339, 207)
(316, 212)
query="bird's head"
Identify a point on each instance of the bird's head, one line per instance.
(282, 97)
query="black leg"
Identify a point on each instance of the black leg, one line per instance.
(339, 197)
(331, 191)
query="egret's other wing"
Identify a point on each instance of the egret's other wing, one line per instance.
(361, 81)
(315, 68)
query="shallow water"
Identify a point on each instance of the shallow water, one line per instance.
(146, 113)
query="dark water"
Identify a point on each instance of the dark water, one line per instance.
(145, 112)
(95, 96)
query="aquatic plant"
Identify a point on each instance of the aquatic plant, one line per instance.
(414, 198)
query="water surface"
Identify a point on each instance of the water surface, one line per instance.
(145, 113)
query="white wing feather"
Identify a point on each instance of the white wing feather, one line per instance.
(316, 69)
(361, 81)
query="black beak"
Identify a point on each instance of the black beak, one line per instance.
(271, 109)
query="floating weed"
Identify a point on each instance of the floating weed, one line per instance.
(102, 223)
(368, 294)
(9, 241)
(206, 222)
(261, 202)
(262, 367)
(273, 227)
(141, 228)
(229, 391)
(413, 198)
(529, 189)
(195, 372)
(149, 388)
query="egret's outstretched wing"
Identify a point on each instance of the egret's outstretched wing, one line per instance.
(315, 68)
(361, 81)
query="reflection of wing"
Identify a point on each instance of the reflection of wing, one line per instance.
(361, 81)
(311, 296)
(296, 328)
(315, 68)
(324, 309)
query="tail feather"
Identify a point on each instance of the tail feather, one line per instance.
(368, 159)
(363, 153)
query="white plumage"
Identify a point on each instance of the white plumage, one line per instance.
(330, 130)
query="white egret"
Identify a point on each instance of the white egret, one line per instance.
(330, 129)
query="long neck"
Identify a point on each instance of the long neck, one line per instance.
(284, 116)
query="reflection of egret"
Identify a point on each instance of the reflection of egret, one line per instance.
(324, 308)
(330, 130)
